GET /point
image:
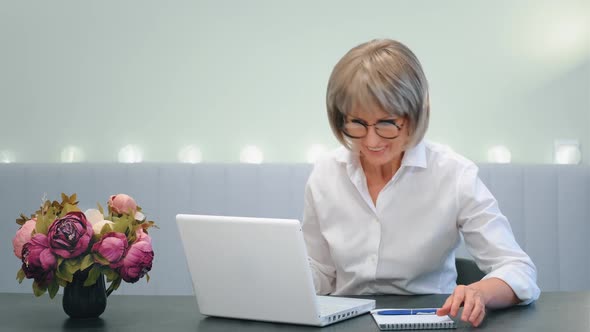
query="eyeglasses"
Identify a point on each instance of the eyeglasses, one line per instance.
(356, 128)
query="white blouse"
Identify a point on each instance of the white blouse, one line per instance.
(406, 242)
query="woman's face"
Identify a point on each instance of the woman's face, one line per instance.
(374, 149)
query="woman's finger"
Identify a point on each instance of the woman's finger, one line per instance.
(446, 307)
(480, 318)
(468, 305)
(478, 308)
(458, 297)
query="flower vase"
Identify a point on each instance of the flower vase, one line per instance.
(81, 301)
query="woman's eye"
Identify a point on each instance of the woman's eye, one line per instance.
(386, 122)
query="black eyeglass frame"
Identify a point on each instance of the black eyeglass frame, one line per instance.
(366, 125)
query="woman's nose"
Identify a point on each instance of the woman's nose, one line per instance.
(372, 139)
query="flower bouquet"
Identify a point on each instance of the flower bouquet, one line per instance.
(59, 243)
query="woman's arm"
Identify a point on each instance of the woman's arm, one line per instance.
(490, 293)
(496, 293)
(510, 274)
(322, 267)
(489, 238)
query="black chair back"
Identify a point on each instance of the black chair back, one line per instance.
(467, 271)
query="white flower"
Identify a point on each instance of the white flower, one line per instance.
(96, 219)
(139, 216)
(93, 216)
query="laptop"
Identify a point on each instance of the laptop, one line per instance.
(257, 269)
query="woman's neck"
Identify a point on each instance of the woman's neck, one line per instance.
(381, 173)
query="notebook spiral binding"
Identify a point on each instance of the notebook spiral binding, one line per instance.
(418, 326)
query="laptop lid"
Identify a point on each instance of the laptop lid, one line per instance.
(250, 268)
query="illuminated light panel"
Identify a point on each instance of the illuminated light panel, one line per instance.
(499, 154)
(190, 154)
(567, 152)
(251, 155)
(72, 154)
(6, 157)
(130, 154)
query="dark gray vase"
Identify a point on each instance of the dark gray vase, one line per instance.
(84, 302)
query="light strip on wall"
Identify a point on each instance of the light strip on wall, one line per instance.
(6, 157)
(190, 154)
(499, 154)
(567, 151)
(72, 154)
(130, 154)
(251, 155)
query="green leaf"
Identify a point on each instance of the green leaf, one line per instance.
(100, 208)
(20, 275)
(113, 286)
(67, 208)
(131, 237)
(22, 219)
(63, 273)
(150, 223)
(61, 282)
(86, 262)
(38, 290)
(121, 225)
(110, 274)
(92, 276)
(43, 223)
(95, 238)
(106, 228)
(147, 277)
(101, 260)
(72, 265)
(53, 288)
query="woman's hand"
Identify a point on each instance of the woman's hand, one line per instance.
(492, 293)
(472, 299)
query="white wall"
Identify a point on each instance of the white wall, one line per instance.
(222, 74)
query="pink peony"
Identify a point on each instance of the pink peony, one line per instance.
(23, 235)
(142, 235)
(112, 247)
(39, 262)
(137, 262)
(70, 236)
(122, 203)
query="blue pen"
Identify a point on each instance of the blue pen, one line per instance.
(427, 311)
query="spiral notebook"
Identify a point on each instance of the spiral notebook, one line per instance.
(412, 321)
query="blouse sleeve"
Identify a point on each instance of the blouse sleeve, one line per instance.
(322, 266)
(489, 238)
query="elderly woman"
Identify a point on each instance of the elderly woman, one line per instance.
(385, 213)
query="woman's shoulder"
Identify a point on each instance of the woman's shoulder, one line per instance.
(333, 157)
(443, 156)
(331, 161)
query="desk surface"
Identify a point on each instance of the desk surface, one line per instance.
(558, 311)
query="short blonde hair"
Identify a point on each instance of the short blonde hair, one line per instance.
(383, 73)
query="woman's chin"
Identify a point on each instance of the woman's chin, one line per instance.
(377, 158)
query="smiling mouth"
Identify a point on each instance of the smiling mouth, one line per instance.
(375, 149)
